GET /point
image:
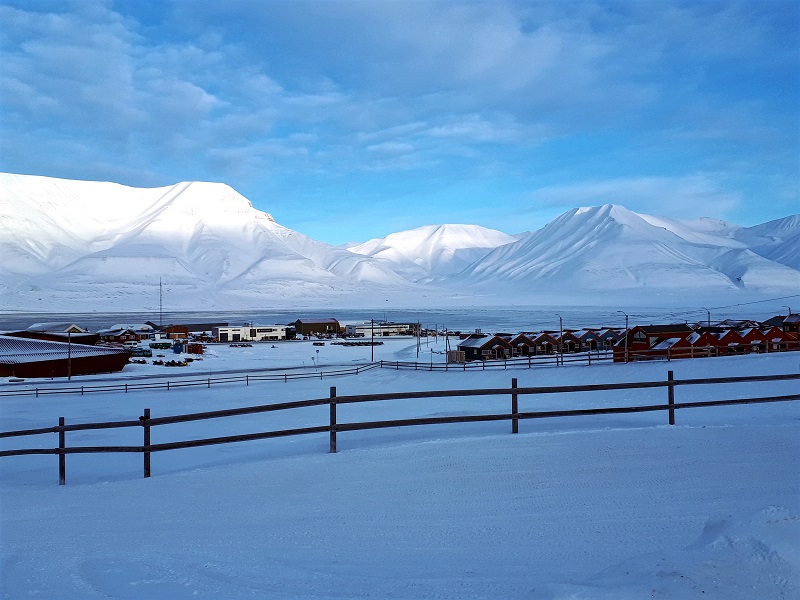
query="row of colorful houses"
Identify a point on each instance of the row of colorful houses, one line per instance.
(642, 342)
(503, 345)
(664, 342)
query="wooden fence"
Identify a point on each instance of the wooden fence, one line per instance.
(515, 362)
(159, 382)
(333, 427)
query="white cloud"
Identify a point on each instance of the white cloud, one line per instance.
(688, 196)
(390, 148)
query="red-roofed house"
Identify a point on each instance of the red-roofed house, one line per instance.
(487, 348)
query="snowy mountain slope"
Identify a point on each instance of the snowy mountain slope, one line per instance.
(68, 245)
(433, 250)
(200, 238)
(777, 240)
(613, 249)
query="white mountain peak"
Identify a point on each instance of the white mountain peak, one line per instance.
(433, 250)
(64, 242)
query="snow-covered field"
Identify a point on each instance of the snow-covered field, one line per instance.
(622, 507)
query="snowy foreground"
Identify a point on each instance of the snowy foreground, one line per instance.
(611, 507)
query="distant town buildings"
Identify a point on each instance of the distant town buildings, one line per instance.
(66, 348)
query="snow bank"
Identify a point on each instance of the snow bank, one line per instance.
(620, 507)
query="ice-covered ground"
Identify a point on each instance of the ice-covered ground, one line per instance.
(622, 507)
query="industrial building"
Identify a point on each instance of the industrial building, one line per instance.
(21, 357)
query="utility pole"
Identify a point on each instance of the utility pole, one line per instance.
(160, 304)
(627, 341)
(560, 338)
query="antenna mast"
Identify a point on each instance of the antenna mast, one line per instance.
(160, 304)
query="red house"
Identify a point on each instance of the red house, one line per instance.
(731, 342)
(523, 345)
(639, 342)
(610, 337)
(590, 340)
(568, 342)
(704, 344)
(779, 340)
(545, 343)
(676, 347)
(486, 348)
(754, 340)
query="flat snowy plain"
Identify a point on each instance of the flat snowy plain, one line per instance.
(609, 507)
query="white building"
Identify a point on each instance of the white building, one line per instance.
(380, 329)
(253, 333)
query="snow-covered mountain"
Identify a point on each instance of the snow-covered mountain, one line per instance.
(612, 250)
(433, 250)
(66, 242)
(76, 245)
(777, 240)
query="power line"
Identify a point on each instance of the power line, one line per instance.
(715, 308)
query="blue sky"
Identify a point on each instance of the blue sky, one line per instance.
(353, 120)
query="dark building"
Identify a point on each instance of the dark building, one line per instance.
(316, 326)
(20, 357)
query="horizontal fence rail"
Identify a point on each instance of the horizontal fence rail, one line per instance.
(261, 376)
(515, 362)
(189, 381)
(333, 427)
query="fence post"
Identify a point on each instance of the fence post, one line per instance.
(332, 403)
(145, 419)
(589, 354)
(62, 457)
(514, 407)
(671, 397)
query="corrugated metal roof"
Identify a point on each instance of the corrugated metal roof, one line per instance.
(328, 321)
(666, 344)
(56, 327)
(473, 342)
(14, 350)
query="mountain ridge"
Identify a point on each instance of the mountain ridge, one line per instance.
(65, 241)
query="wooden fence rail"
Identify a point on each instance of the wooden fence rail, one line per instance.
(258, 376)
(333, 427)
(191, 381)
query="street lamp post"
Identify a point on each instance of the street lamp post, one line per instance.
(627, 341)
(69, 355)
